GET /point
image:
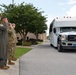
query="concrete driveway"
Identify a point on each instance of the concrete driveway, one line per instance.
(13, 70)
(46, 60)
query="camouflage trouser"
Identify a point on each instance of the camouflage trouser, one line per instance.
(11, 50)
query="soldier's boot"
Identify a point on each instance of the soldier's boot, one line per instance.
(4, 67)
(11, 63)
(14, 59)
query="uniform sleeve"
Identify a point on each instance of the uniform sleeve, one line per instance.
(4, 27)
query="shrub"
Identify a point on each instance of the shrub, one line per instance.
(19, 42)
(27, 43)
(33, 41)
(39, 40)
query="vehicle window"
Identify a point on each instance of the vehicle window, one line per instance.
(51, 26)
(67, 29)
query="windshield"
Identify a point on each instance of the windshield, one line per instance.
(67, 29)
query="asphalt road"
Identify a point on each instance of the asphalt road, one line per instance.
(46, 60)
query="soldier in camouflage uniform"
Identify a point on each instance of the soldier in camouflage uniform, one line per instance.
(15, 41)
(11, 44)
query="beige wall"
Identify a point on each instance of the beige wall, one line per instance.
(31, 35)
(41, 36)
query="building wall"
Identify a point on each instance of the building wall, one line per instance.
(31, 35)
(42, 36)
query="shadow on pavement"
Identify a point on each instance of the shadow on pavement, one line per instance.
(69, 51)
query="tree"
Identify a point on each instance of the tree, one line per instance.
(39, 25)
(26, 17)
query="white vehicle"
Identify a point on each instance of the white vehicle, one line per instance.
(63, 33)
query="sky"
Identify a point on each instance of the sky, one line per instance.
(51, 8)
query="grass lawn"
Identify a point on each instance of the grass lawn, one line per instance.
(40, 42)
(20, 51)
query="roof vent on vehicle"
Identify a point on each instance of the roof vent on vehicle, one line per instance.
(56, 17)
(64, 16)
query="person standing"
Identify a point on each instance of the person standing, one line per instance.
(3, 43)
(15, 41)
(11, 44)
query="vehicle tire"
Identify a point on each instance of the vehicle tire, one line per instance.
(59, 47)
(51, 45)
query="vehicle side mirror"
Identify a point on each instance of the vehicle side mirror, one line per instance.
(54, 30)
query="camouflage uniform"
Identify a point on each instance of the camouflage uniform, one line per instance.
(11, 43)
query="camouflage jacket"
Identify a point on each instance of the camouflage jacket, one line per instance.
(12, 36)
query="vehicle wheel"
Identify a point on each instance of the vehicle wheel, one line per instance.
(59, 47)
(51, 45)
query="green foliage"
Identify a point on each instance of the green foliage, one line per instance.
(19, 42)
(27, 43)
(48, 37)
(33, 41)
(39, 42)
(26, 17)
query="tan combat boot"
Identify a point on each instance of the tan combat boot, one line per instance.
(14, 59)
(11, 63)
(4, 67)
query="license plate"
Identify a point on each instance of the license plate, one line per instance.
(74, 44)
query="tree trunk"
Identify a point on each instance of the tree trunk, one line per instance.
(37, 37)
(21, 35)
(24, 37)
